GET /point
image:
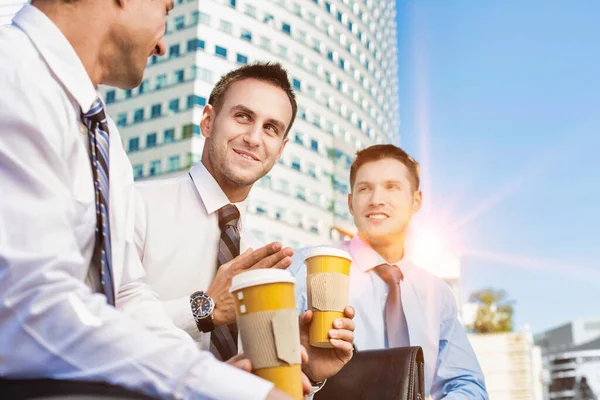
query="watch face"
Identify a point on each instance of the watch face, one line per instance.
(201, 307)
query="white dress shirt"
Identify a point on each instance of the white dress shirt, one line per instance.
(52, 325)
(451, 367)
(177, 236)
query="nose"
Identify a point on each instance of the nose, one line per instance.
(378, 196)
(252, 135)
(160, 49)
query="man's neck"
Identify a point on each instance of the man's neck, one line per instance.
(235, 193)
(67, 19)
(391, 249)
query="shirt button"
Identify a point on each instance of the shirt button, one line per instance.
(83, 129)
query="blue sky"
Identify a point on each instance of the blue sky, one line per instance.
(500, 101)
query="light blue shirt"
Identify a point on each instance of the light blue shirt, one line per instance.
(452, 371)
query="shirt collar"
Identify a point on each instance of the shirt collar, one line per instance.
(211, 193)
(366, 258)
(58, 54)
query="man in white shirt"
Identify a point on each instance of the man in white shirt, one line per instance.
(178, 233)
(66, 214)
(397, 303)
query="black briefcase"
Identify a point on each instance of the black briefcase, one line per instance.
(388, 374)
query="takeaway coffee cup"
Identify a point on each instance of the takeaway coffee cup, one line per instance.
(327, 281)
(268, 325)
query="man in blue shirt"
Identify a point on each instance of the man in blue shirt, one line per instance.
(396, 302)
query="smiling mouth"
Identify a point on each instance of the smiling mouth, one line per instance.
(377, 216)
(246, 155)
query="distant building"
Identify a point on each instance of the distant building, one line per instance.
(511, 365)
(571, 354)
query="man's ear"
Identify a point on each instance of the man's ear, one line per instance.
(283, 143)
(350, 204)
(208, 119)
(417, 201)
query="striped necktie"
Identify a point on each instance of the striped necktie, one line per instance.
(396, 328)
(100, 275)
(224, 338)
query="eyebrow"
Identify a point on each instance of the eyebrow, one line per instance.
(239, 107)
(371, 183)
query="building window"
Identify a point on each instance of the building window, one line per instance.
(138, 115)
(296, 83)
(174, 105)
(265, 43)
(173, 163)
(280, 214)
(134, 144)
(156, 111)
(151, 140)
(241, 59)
(179, 22)
(179, 76)
(195, 18)
(286, 28)
(330, 55)
(161, 81)
(169, 135)
(122, 119)
(193, 44)
(194, 100)
(138, 171)
(299, 138)
(314, 145)
(246, 35)
(250, 10)
(144, 86)
(155, 167)
(301, 193)
(311, 170)
(232, 3)
(283, 51)
(221, 51)
(174, 51)
(226, 26)
(296, 163)
(189, 130)
(110, 96)
(204, 18)
(128, 93)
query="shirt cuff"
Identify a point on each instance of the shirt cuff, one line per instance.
(317, 387)
(230, 383)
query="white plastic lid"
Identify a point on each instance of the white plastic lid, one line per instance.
(257, 277)
(326, 251)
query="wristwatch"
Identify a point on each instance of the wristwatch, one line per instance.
(202, 310)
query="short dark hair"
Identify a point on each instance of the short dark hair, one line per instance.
(384, 151)
(268, 72)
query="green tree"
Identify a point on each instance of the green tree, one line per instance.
(494, 311)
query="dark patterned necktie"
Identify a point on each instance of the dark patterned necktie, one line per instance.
(395, 321)
(100, 275)
(223, 339)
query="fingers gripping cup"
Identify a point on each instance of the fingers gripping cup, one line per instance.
(327, 281)
(268, 324)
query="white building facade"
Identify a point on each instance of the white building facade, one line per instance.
(342, 60)
(511, 365)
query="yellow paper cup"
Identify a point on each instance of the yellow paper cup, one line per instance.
(257, 294)
(334, 290)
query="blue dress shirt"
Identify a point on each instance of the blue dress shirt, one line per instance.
(452, 371)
